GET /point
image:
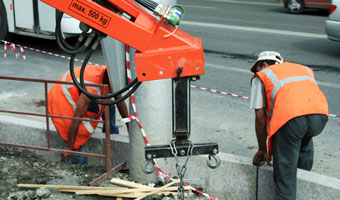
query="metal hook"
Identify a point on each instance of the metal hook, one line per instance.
(217, 161)
(145, 168)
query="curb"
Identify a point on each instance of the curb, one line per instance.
(235, 178)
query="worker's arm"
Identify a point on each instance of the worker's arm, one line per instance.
(82, 105)
(260, 128)
(261, 135)
(122, 108)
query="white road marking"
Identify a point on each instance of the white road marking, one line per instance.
(254, 29)
(202, 7)
(249, 2)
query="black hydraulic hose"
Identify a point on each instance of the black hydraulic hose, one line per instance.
(134, 85)
(149, 4)
(63, 45)
(83, 89)
(59, 16)
(93, 96)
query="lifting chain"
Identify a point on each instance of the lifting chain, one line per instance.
(181, 170)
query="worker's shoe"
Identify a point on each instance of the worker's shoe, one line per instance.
(78, 159)
(113, 129)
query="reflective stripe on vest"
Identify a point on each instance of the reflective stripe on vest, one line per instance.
(278, 84)
(69, 98)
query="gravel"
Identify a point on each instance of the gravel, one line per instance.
(21, 166)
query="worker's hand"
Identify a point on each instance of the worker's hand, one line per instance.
(66, 156)
(260, 157)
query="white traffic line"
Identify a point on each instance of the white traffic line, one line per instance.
(247, 71)
(249, 2)
(200, 7)
(255, 29)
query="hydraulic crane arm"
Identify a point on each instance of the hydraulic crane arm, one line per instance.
(162, 48)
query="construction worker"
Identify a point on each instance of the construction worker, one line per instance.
(290, 110)
(67, 100)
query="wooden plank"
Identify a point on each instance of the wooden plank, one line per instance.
(67, 187)
(135, 195)
(129, 190)
(128, 184)
(158, 189)
(93, 189)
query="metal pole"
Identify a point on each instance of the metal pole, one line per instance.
(154, 108)
(107, 136)
(47, 118)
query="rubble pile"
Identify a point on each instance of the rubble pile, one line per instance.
(27, 176)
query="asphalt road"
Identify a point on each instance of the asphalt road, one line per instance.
(233, 33)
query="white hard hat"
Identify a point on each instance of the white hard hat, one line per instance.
(268, 55)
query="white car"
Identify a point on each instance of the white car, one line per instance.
(333, 22)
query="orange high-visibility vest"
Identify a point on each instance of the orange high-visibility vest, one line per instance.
(62, 101)
(291, 91)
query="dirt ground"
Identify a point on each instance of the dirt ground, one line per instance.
(20, 166)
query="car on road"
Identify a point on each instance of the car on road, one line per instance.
(298, 6)
(333, 22)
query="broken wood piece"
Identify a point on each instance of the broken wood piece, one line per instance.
(128, 184)
(158, 189)
(135, 195)
(93, 189)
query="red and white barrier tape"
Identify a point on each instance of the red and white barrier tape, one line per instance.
(22, 52)
(219, 92)
(128, 72)
(130, 119)
(332, 115)
(22, 47)
(5, 49)
(13, 48)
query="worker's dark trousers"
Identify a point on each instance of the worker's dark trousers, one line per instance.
(292, 149)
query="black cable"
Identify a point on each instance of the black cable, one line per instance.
(134, 84)
(93, 96)
(83, 89)
(59, 16)
(149, 4)
(135, 87)
(61, 42)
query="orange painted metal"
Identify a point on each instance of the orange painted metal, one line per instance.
(158, 57)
